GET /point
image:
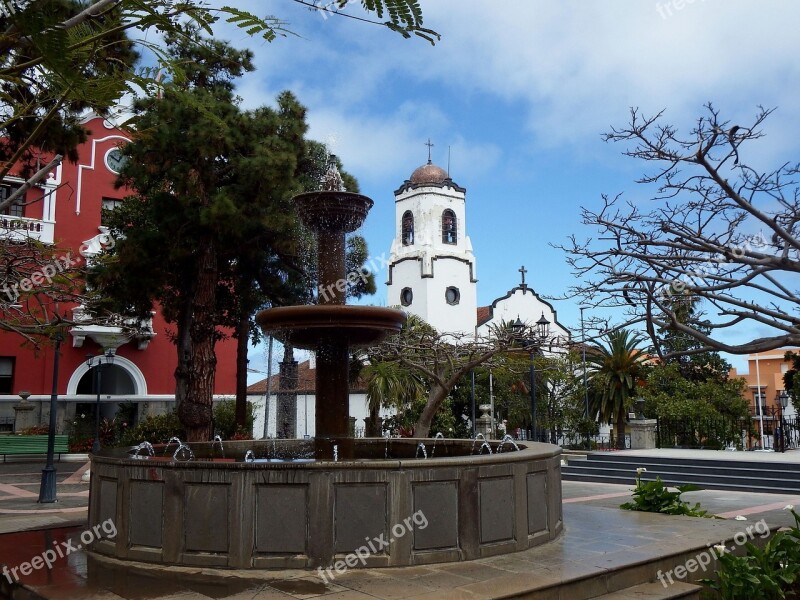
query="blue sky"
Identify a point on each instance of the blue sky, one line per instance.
(521, 91)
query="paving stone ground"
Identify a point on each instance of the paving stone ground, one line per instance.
(598, 537)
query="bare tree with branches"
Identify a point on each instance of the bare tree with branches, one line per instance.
(717, 229)
(443, 359)
(35, 278)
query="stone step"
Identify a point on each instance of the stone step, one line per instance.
(734, 487)
(613, 457)
(748, 476)
(687, 476)
(655, 591)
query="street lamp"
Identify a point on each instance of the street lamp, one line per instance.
(533, 344)
(47, 487)
(783, 399)
(90, 362)
(585, 387)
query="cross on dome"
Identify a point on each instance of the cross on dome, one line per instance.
(429, 145)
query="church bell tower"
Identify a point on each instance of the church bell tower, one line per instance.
(431, 264)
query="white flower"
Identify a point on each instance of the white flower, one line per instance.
(720, 548)
(83, 416)
(641, 470)
(740, 518)
(789, 507)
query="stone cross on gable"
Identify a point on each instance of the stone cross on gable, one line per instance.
(523, 270)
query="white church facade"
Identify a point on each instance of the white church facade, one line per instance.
(432, 270)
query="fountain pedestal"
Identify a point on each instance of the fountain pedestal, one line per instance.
(331, 328)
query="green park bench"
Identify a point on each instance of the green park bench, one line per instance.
(31, 444)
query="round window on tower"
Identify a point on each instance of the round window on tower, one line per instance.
(452, 295)
(406, 296)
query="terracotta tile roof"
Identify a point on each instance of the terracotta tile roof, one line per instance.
(306, 382)
(484, 314)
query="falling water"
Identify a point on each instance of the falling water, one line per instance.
(507, 439)
(478, 435)
(387, 435)
(218, 440)
(421, 446)
(172, 440)
(439, 436)
(187, 452)
(485, 445)
(249, 456)
(335, 453)
(143, 446)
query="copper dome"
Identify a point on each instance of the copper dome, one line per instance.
(429, 173)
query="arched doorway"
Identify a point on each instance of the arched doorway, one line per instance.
(114, 380)
(120, 383)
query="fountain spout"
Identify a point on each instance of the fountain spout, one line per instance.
(187, 452)
(507, 439)
(421, 446)
(172, 440)
(218, 440)
(143, 446)
(482, 438)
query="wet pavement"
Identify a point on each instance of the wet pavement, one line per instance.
(597, 538)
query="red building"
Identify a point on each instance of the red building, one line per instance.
(67, 213)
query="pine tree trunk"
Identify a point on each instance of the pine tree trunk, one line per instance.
(183, 345)
(195, 411)
(242, 339)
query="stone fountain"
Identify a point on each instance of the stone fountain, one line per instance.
(314, 503)
(331, 328)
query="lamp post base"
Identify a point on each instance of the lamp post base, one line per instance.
(47, 488)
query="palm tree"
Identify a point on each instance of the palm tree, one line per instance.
(615, 369)
(389, 384)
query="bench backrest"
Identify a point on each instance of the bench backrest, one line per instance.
(34, 443)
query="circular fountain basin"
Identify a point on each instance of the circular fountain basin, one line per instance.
(333, 211)
(286, 510)
(305, 326)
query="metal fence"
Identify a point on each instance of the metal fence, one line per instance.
(578, 441)
(768, 431)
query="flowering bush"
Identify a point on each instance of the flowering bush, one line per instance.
(35, 430)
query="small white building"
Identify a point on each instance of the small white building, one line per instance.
(302, 422)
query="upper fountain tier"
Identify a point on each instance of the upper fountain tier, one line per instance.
(332, 211)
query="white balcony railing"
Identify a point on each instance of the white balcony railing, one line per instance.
(20, 228)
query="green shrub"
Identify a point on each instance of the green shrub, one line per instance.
(225, 421)
(156, 429)
(653, 496)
